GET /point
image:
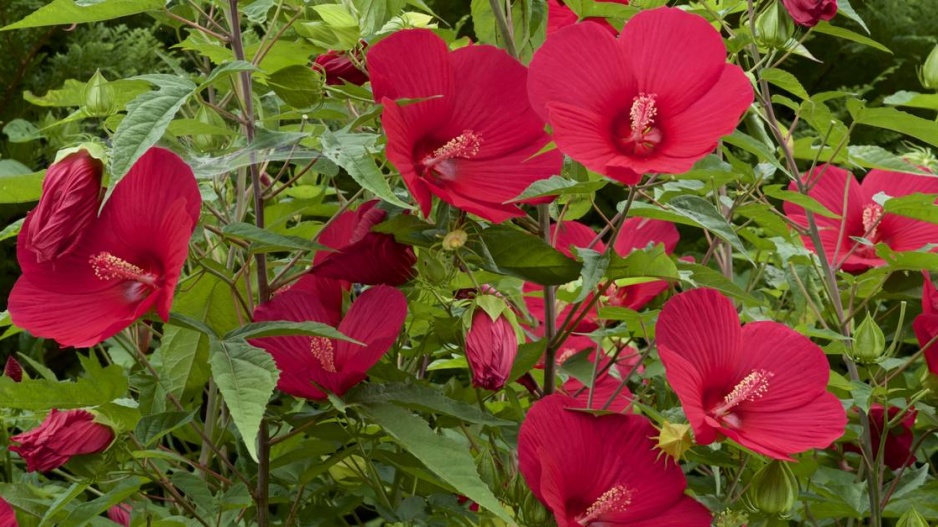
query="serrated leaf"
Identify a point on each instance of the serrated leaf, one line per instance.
(558, 186)
(872, 156)
(423, 398)
(147, 118)
(593, 270)
(152, 427)
(916, 206)
(440, 454)
(284, 328)
(67, 12)
(268, 241)
(509, 251)
(99, 387)
(706, 216)
(353, 153)
(298, 85)
(246, 377)
(895, 120)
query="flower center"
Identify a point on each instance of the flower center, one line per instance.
(751, 388)
(616, 499)
(439, 163)
(324, 352)
(109, 267)
(641, 137)
(871, 217)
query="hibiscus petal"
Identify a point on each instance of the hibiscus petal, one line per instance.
(815, 424)
(900, 233)
(404, 127)
(639, 233)
(412, 64)
(583, 135)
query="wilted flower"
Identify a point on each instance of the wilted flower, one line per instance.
(61, 436)
(491, 348)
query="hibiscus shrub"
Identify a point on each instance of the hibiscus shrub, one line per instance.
(604, 263)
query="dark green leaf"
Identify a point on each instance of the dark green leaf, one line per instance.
(268, 241)
(526, 256)
(423, 398)
(298, 85)
(67, 12)
(283, 328)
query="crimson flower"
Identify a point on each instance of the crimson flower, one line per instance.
(311, 366)
(926, 324)
(491, 348)
(71, 194)
(601, 470)
(472, 140)
(120, 514)
(12, 369)
(7, 515)
(560, 16)
(657, 99)
(338, 68)
(763, 385)
(808, 13)
(360, 255)
(61, 436)
(862, 217)
(125, 265)
(897, 450)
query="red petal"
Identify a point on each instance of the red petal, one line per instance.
(900, 233)
(816, 424)
(404, 127)
(584, 135)
(412, 64)
(639, 233)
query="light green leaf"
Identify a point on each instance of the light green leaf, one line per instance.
(226, 69)
(916, 206)
(785, 81)
(706, 216)
(10, 230)
(19, 184)
(558, 186)
(871, 156)
(423, 398)
(839, 32)
(147, 118)
(927, 101)
(67, 12)
(353, 152)
(440, 454)
(268, 241)
(298, 85)
(99, 387)
(895, 120)
(246, 377)
(284, 328)
(702, 276)
(806, 202)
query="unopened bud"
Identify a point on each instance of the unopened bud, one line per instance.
(535, 513)
(774, 27)
(209, 142)
(455, 239)
(869, 343)
(13, 370)
(674, 439)
(928, 74)
(491, 348)
(98, 97)
(912, 518)
(773, 489)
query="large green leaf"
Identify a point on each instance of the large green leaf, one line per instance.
(18, 183)
(423, 398)
(353, 152)
(68, 12)
(917, 206)
(100, 386)
(267, 241)
(442, 455)
(298, 85)
(283, 328)
(147, 118)
(509, 251)
(706, 216)
(246, 377)
(839, 32)
(895, 120)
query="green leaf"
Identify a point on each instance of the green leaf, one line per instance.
(12, 229)
(839, 32)
(844, 8)
(653, 264)
(422, 398)
(558, 186)
(21, 131)
(98, 387)
(268, 241)
(353, 152)
(373, 14)
(703, 276)
(152, 427)
(706, 216)
(871, 156)
(246, 377)
(895, 120)
(67, 12)
(442, 455)
(283, 328)
(298, 85)
(926, 101)
(509, 251)
(19, 184)
(593, 270)
(785, 81)
(147, 118)
(226, 69)
(916, 206)
(806, 202)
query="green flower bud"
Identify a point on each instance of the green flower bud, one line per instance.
(485, 465)
(773, 489)
(774, 27)
(98, 97)
(928, 74)
(535, 513)
(455, 239)
(209, 142)
(869, 343)
(912, 518)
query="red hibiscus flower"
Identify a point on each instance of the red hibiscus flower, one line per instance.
(604, 470)
(7, 515)
(926, 324)
(657, 99)
(607, 390)
(311, 366)
(472, 140)
(120, 514)
(863, 217)
(560, 16)
(360, 255)
(338, 68)
(71, 194)
(762, 385)
(125, 265)
(807, 13)
(897, 450)
(61, 436)
(491, 348)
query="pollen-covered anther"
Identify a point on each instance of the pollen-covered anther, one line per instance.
(323, 350)
(643, 113)
(752, 387)
(616, 499)
(464, 146)
(871, 218)
(106, 266)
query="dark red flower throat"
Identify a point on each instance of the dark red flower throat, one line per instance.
(438, 161)
(634, 131)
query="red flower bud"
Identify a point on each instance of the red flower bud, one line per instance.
(71, 194)
(808, 13)
(491, 347)
(13, 370)
(61, 436)
(120, 514)
(338, 67)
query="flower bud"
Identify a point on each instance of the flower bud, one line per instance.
(674, 439)
(209, 142)
(869, 343)
(912, 518)
(535, 513)
(120, 514)
(808, 13)
(61, 436)
(455, 239)
(773, 27)
(13, 370)
(928, 74)
(71, 194)
(339, 68)
(773, 489)
(98, 97)
(491, 348)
